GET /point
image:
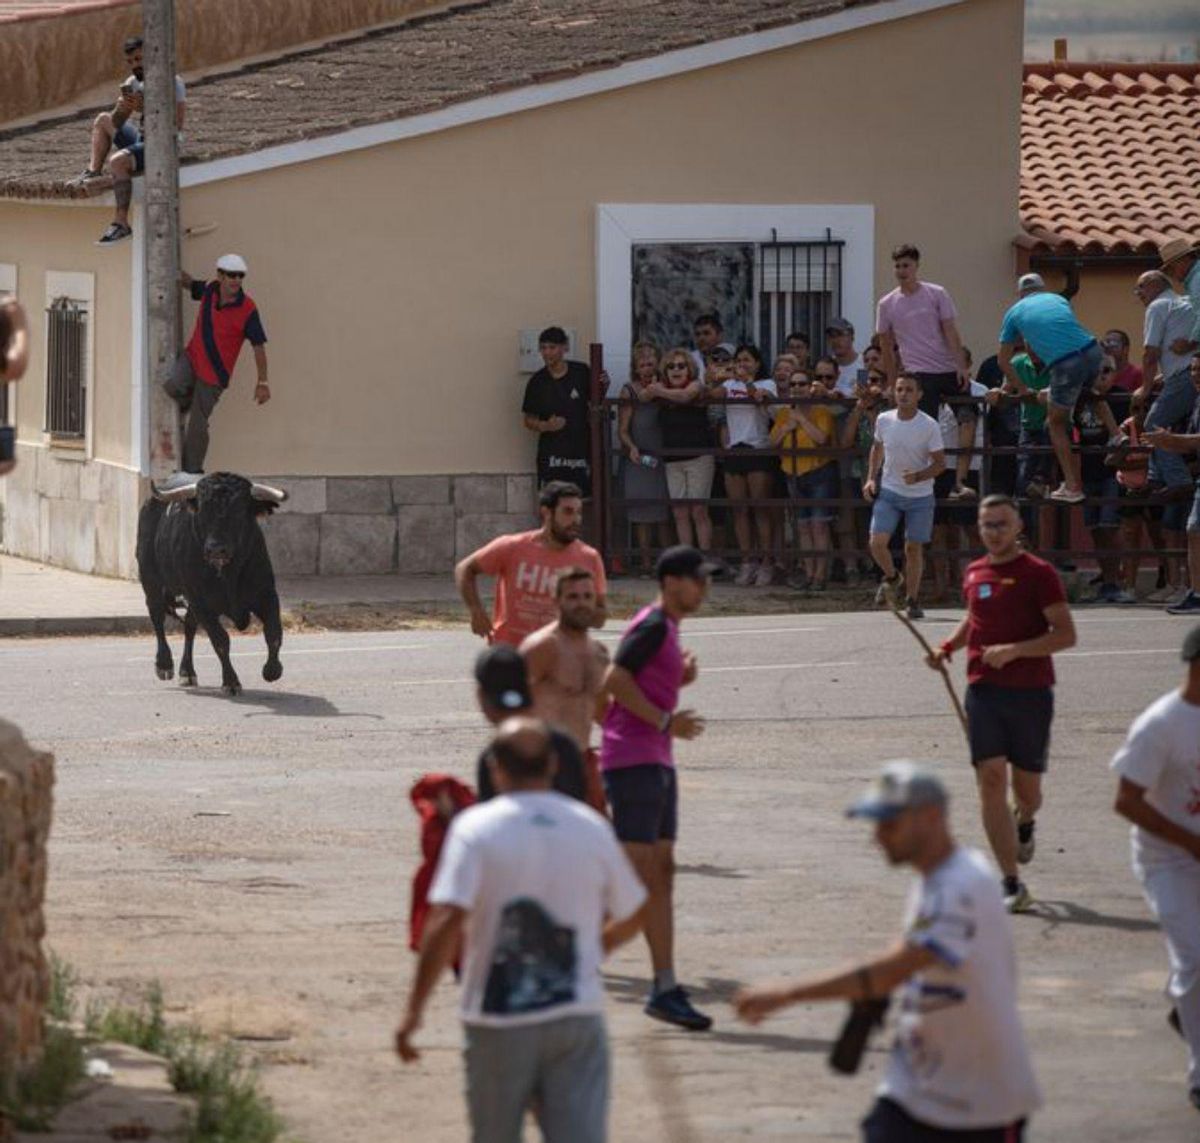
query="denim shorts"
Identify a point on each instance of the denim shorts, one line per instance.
(817, 484)
(1102, 515)
(1074, 374)
(916, 512)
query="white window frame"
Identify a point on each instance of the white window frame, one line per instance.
(621, 226)
(8, 285)
(80, 286)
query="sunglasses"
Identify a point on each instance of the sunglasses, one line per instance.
(825, 376)
(236, 275)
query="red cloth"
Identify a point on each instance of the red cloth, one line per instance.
(1006, 604)
(436, 798)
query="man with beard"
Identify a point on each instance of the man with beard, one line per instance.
(526, 566)
(567, 667)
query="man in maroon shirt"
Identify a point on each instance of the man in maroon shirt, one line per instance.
(1017, 617)
(228, 317)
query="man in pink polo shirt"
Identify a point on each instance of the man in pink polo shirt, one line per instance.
(648, 672)
(918, 331)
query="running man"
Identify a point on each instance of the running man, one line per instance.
(1017, 618)
(636, 760)
(566, 670)
(908, 449)
(539, 888)
(959, 1067)
(1159, 791)
(526, 566)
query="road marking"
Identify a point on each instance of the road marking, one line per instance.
(289, 652)
(1106, 654)
(773, 667)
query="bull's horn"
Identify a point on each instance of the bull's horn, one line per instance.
(170, 492)
(267, 492)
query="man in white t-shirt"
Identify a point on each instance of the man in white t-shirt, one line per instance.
(539, 890)
(959, 1062)
(908, 447)
(839, 344)
(1159, 791)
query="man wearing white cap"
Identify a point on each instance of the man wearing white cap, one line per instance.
(227, 318)
(1072, 356)
(959, 1067)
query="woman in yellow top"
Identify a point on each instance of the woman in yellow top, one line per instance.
(798, 428)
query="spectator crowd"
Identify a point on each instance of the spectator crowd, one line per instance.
(809, 468)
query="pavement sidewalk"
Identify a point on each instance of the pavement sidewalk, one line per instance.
(38, 599)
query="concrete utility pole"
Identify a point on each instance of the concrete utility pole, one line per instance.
(161, 184)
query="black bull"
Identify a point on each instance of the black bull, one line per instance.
(200, 545)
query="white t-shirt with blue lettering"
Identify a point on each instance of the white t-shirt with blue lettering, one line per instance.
(960, 1060)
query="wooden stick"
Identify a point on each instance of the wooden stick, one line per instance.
(941, 667)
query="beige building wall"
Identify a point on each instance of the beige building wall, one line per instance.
(393, 281)
(72, 507)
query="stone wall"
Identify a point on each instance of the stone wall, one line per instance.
(74, 513)
(47, 61)
(375, 525)
(26, 785)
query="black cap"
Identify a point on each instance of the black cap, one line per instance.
(683, 560)
(500, 673)
(839, 325)
(720, 353)
(1191, 646)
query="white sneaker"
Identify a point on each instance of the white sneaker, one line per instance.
(1065, 495)
(746, 573)
(765, 576)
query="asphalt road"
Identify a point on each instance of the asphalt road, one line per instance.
(254, 855)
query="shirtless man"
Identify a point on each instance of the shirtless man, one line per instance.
(566, 669)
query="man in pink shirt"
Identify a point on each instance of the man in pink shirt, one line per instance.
(918, 331)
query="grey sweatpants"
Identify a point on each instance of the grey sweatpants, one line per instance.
(196, 401)
(559, 1066)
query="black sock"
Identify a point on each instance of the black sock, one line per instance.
(1024, 831)
(1011, 885)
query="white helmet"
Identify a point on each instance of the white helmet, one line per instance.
(232, 264)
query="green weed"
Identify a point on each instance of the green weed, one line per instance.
(31, 1098)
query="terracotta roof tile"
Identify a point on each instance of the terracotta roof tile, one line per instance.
(1110, 157)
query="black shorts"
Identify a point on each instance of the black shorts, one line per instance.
(644, 801)
(743, 464)
(888, 1122)
(934, 387)
(1010, 722)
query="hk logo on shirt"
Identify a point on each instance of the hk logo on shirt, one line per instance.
(536, 579)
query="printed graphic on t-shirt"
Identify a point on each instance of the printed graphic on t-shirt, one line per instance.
(533, 962)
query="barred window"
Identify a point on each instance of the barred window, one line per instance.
(66, 368)
(799, 289)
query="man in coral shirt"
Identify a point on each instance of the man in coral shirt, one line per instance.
(526, 566)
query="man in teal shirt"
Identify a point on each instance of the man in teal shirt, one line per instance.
(1045, 322)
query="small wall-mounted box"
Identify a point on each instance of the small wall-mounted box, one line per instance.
(528, 358)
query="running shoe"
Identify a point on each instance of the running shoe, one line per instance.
(1164, 594)
(746, 573)
(1026, 842)
(799, 580)
(1065, 495)
(887, 594)
(1035, 490)
(114, 234)
(674, 1007)
(1017, 898)
(962, 492)
(765, 575)
(1123, 597)
(914, 610)
(1189, 605)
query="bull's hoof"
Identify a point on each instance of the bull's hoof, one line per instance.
(231, 689)
(272, 671)
(165, 672)
(186, 680)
